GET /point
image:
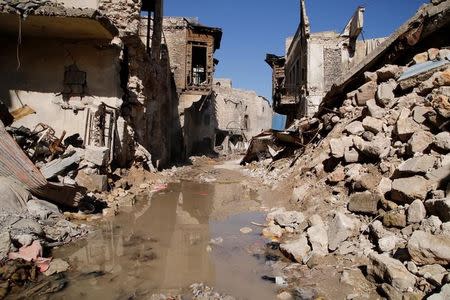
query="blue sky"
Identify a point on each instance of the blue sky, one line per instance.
(253, 28)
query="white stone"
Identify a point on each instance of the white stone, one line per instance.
(416, 212)
(340, 229)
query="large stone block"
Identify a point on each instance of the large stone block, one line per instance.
(409, 189)
(366, 92)
(92, 182)
(97, 155)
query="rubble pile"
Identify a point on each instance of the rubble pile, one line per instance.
(375, 182)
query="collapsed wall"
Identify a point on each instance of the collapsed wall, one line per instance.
(374, 184)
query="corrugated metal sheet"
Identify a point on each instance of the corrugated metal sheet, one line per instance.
(15, 164)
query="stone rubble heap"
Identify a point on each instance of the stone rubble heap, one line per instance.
(383, 167)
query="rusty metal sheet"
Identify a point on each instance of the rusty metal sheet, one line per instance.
(15, 164)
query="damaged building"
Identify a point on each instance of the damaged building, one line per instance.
(240, 115)
(313, 62)
(191, 48)
(80, 67)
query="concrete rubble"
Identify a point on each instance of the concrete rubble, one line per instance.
(394, 189)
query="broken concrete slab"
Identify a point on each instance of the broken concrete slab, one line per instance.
(420, 112)
(405, 128)
(97, 155)
(390, 270)
(426, 248)
(60, 166)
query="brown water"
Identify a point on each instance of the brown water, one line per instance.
(163, 246)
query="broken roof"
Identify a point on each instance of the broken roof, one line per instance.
(428, 28)
(194, 24)
(65, 22)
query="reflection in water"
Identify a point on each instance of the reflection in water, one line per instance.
(162, 247)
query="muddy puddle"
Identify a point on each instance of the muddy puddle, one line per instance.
(189, 233)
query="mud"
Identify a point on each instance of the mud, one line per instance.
(172, 240)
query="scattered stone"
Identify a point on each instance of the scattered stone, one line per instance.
(92, 182)
(433, 53)
(440, 208)
(420, 112)
(405, 128)
(296, 250)
(378, 148)
(374, 110)
(394, 219)
(97, 155)
(384, 186)
(385, 93)
(420, 58)
(418, 164)
(391, 271)
(419, 141)
(409, 189)
(444, 294)
(273, 231)
(318, 238)
(284, 296)
(351, 156)
(339, 229)
(338, 146)
(245, 230)
(442, 140)
(289, 219)
(57, 265)
(416, 212)
(388, 243)
(427, 249)
(370, 76)
(389, 71)
(365, 202)
(373, 125)
(355, 128)
(433, 273)
(366, 92)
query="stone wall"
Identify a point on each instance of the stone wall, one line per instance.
(240, 110)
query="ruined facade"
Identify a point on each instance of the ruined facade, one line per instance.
(313, 63)
(191, 48)
(83, 69)
(240, 115)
